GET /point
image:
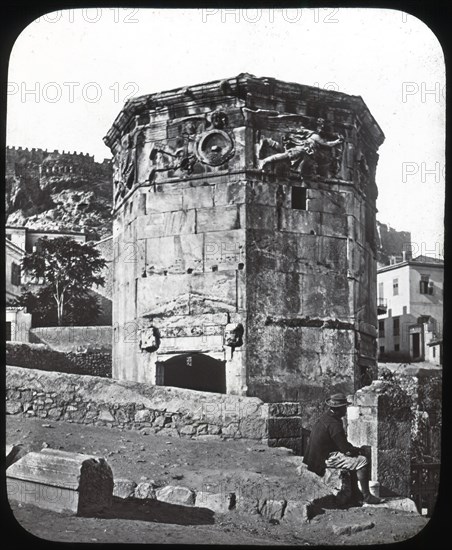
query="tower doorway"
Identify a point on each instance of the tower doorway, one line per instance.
(195, 371)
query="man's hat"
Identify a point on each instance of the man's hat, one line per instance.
(337, 400)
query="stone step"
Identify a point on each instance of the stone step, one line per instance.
(394, 503)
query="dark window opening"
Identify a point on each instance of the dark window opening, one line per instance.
(382, 349)
(15, 274)
(396, 347)
(381, 329)
(415, 339)
(395, 287)
(396, 327)
(299, 198)
(8, 330)
(425, 285)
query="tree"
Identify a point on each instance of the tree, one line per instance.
(83, 310)
(68, 270)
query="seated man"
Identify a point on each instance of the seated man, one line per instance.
(328, 448)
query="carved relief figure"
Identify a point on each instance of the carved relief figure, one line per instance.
(298, 146)
(165, 159)
(213, 146)
(127, 161)
(124, 168)
(202, 139)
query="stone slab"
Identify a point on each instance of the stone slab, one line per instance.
(219, 503)
(174, 494)
(351, 529)
(57, 499)
(62, 481)
(400, 504)
(124, 488)
(297, 512)
(145, 490)
(273, 509)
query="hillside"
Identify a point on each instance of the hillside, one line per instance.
(58, 191)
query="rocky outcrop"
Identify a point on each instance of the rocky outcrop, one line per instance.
(58, 191)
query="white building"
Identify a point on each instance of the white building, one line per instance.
(13, 278)
(18, 324)
(26, 238)
(410, 307)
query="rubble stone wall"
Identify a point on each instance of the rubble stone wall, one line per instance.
(38, 356)
(133, 405)
(73, 338)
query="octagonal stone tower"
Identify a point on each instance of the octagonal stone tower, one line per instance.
(244, 234)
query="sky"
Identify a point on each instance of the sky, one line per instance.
(71, 71)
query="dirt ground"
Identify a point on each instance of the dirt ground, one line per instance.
(234, 465)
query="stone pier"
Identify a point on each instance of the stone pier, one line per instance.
(381, 419)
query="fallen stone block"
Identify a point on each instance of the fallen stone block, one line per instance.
(314, 487)
(174, 494)
(401, 504)
(14, 453)
(297, 512)
(219, 503)
(61, 481)
(124, 488)
(247, 505)
(13, 407)
(351, 529)
(145, 490)
(272, 509)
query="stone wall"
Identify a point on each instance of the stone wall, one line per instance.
(66, 339)
(132, 405)
(38, 356)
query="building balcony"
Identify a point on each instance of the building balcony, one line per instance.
(382, 306)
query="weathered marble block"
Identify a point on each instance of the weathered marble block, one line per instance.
(61, 481)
